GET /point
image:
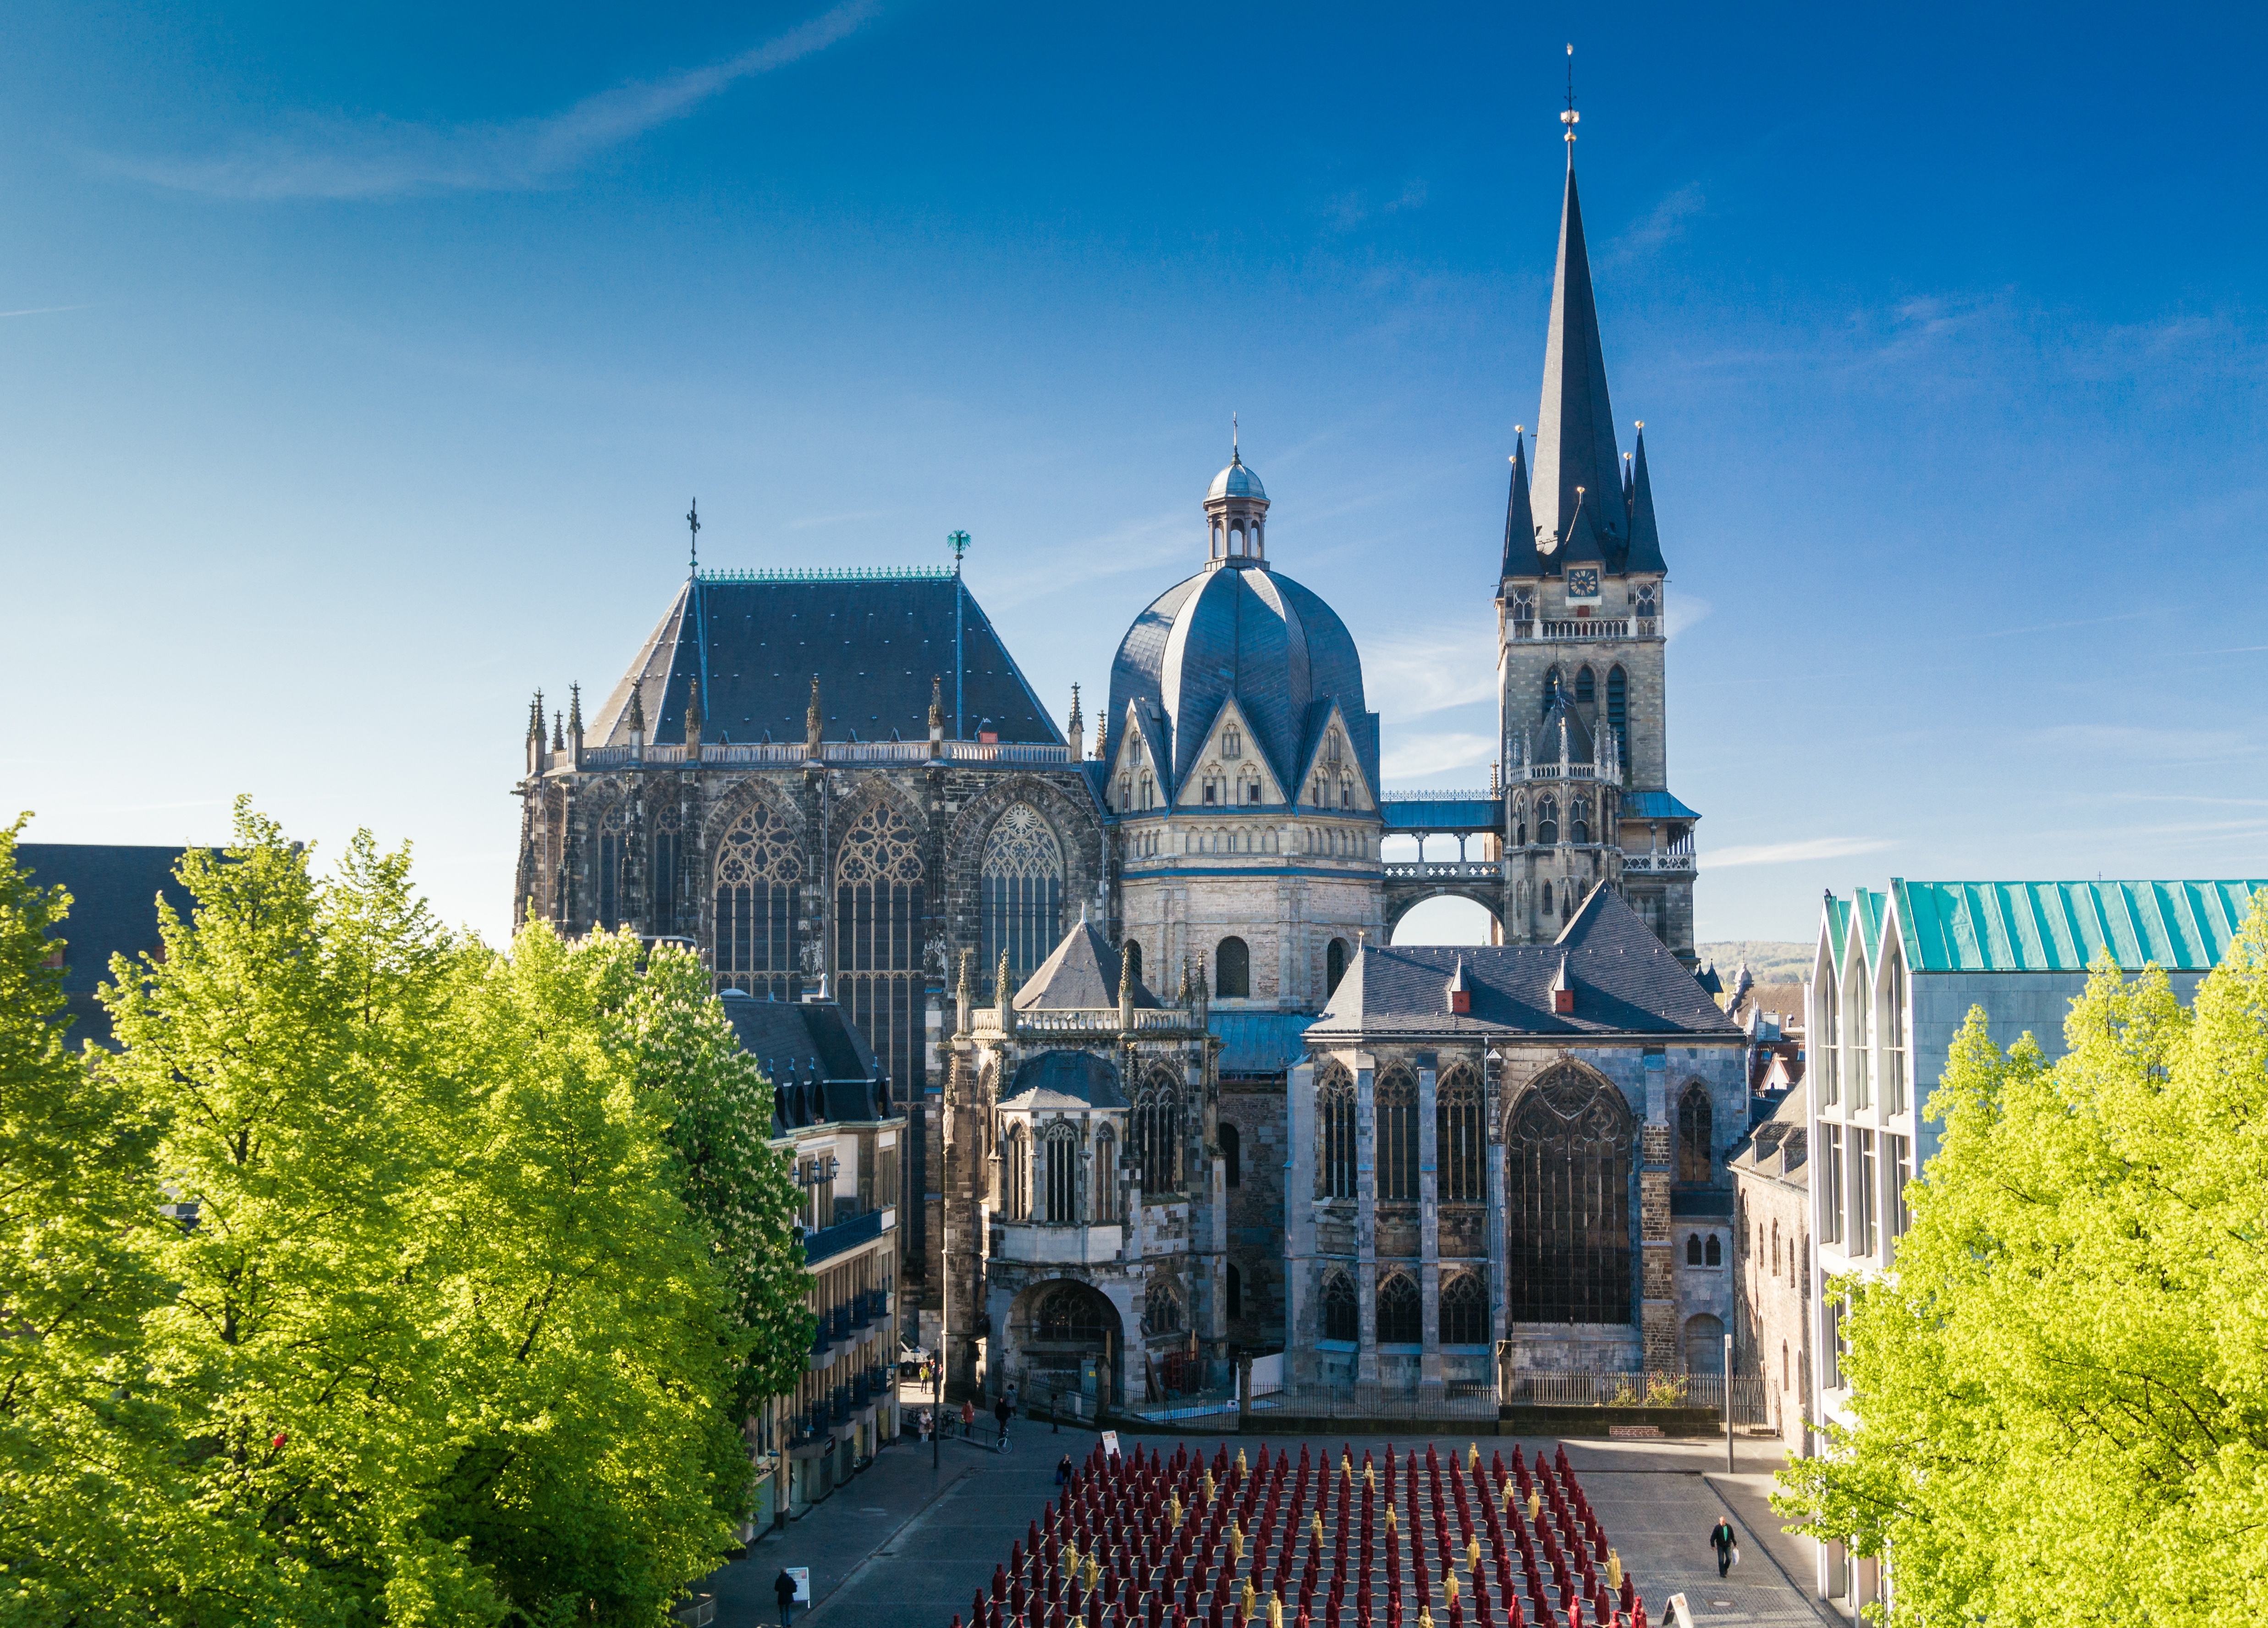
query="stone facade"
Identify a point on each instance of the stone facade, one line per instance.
(1772, 1261)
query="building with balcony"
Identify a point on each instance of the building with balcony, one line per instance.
(835, 1116)
(1894, 974)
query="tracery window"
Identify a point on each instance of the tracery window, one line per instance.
(1464, 1311)
(1395, 1101)
(1551, 689)
(1547, 823)
(1232, 970)
(1694, 1128)
(1459, 1144)
(1161, 1310)
(1585, 686)
(1158, 1133)
(1022, 882)
(614, 847)
(1059, 1165)
(1334, 1123)
(757, 872)
(1232, 742)
(1105, 1207)
(1400, 1311)
(1618, 711)
(1016, 1175)
(1646, 601)
(1523, 605)
(1567, 1199)
(1335, 964)
(1579, 817)
(1071, 1315)
(1342, 1316)
(878, 914)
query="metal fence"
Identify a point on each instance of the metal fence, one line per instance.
(1634, 1389)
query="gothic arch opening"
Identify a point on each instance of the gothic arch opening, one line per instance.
(1021, 883)
(757, 872)
(1342, 1317)
(1069, 1336)
(1232, 970)
(877, 916)
(1335, 1168)
(1400, 1311)
(1568, 1158)
(1158, 1132)
(1694, 1116)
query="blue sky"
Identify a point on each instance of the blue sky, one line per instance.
(357, 363)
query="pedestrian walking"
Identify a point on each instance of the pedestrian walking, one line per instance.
(1726, 1545)
(784, 1585)
(1003, 1412)
(968, 1417)
(1063, 1470)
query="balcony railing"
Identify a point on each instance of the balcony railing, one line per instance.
(1446, 870)
(1578, 628)
(1560, 772)
(1661, 861)
(829, 1242)
(789, 752)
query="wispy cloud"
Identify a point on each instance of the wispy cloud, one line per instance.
(387, 158)
(41, 311)
(1416, 756)
(2132, 741)
(1409, 674)
(1793, 854)
(1664, 223)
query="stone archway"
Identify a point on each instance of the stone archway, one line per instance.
(1069, 1339)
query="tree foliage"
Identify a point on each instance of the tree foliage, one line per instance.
(470, 1264)
(2064, 1386)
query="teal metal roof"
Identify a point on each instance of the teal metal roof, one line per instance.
(1403, 812)
(1654, 805)
(1260, 1043)
(2182, 926)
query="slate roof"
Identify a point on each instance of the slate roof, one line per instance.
(1081, 973)
(1064, 1079)
(1575, 429)
(1254, 633)
(1260, 1043)
(1626, 982)
(1776, 1148)
(822, 1069)
(874, 642)
(113, 911)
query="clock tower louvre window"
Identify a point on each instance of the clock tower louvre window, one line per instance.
(1618, 712)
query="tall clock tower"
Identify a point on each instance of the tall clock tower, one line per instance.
(1581, 680)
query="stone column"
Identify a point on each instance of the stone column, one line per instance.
(1365, 1236)
(1300, 1331)
(1498, 1239)
(1657, 1276)
(1429, 1235)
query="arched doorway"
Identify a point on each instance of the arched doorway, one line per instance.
(1705, 1344)
(1068, 1340)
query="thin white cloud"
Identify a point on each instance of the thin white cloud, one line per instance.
(1664, 223)
(1792, 853)
(386, 157)
(1405, 675)
(41, 311)
(1684, 610)
(1419, 755)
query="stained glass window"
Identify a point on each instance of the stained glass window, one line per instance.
(878, 919)
(1396, 1103)
(757, 872)
(1059, 1149)
(1568, 1150)
(1158, 1133)
(1464, 1311)
(1341, 1317)
(1401, 1313)
(1022, 879)
(1693, 1133)
(1335, 1114)
(1460, 1141)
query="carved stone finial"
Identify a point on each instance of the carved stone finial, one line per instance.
(693, 714)
(535, 718)
(811, 719)
(638, 710)
(559, 730)
(1002, 994)
(936, 702)
(575, 709)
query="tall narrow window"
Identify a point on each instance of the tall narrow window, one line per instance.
(1232, 1154)
(1395, 1100)
(661, 882)
(1334, 1127)
(1232, 970)
(1232, 742)
(1830, 1053)
(1335, 965)
(1059, 1148)
(1831, 1167)
(1695, 1129)
(1342, 1319)
(1464, 1311)
(1132, 952)
(1158, 1134)
(1862, 1191)
(757, 870)
(1105, 1204)
(1900, 1152)
(1714, 1256)
(1022, 882)
(878, 919)
(1618, 713)
(1585, 688)
(1016, 1175)
(1579, 817)
(1401, 1313)
(1568, 1157)
(1460, 1142)
(614, 848)
(1551, 689)
(1856, 1036)
(1547, 823)
(1893, 1034)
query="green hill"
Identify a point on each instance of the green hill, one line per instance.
(1769, 961)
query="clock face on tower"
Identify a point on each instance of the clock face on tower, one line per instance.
(1582, 582)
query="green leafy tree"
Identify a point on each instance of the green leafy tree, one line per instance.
(81, 1453)
(2063, 1387)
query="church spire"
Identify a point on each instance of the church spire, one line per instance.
(1575, 434)
(1645, 535)
(1520, 556)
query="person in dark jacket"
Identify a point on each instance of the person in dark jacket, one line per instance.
(784, 1585)
(1723, 1542)
(1062, 1471)
(1003, 1412)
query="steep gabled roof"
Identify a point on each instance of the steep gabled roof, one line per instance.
(1081, 973)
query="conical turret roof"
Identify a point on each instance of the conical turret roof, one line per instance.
(1520, 558)
(1575, 432)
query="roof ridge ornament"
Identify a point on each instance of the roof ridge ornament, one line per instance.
(693, 521)
(1571, 118)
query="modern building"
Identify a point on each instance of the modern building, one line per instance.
(1894, 975)
(114, 888)
(833, 1115)
(1771, 1265)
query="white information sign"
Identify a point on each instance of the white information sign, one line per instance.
(802, 1575)
(1110, 1442)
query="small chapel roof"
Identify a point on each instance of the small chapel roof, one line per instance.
(1081, 975)
(1625, 979)
(1064, 1079)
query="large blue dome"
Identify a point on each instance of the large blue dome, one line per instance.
(1253, 633)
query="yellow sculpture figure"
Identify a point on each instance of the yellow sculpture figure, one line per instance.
(1614, 1569)
(1535, 1505)
(1275, 1610)
(1346, 1462)
(1369, 1476)
(1448, 1586)
(1069, 1558)
(1473, 1462)
(1235, 1540)
(1390, 1521)
(1174, 1510)
(1473, 1555)
(1207, 1484)
(1248, 1599)
(1240, 1470)
(1093, 1572)
(1508, 1495)
(1424, 1617)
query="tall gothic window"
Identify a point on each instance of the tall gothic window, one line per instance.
(1579, 817)
(877, 916)
(1232, 971)
(1460, 1145)
(1105, 1207)
(1335, 965)
(1334, 1116)
(1646, 601)
(1618, 712)
(1342, 1317)
(1070, 1314)
(1158, 1134)
(1464, 1311)
(1567, 1198)
(668, 855)
(1401, 1313)
(1059, 1161)
(1547, 822)
(1586, 685)
(1016, 1175)
(1693, 1134)
(1161, 1310)
(614, 847)
(1551, 689)
(757, 872)
(1232, 1153)
(1022, 878)
(1396, 1103)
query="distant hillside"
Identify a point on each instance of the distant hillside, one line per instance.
(1768, 962)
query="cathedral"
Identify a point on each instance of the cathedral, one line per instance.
(1173, 1093)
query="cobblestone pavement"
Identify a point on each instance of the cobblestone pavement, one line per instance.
(903, 1545)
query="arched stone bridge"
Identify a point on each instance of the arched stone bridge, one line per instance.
(1460, 814)
(1411, 884)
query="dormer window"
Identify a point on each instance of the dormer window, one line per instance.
(1232, 742)
(1211, 790)
(1346, 794)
